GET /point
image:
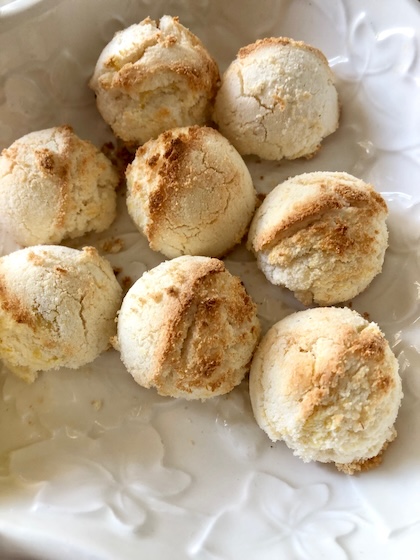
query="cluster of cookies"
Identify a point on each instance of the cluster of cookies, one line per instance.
(323, 380)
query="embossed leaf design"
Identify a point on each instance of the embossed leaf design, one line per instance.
(276, 520)
(373, 60)
(121, 471)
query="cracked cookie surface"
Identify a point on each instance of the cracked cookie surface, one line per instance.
(57, 308)
(55, 186)
(190, 192)
(188, 328)
(326, 382)
(154, 76)
(277, 100)
(322, 235)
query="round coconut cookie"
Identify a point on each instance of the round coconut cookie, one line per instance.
(277, 100)
(57, 308)
(188, 328)
(325, 382)
(190, 193)
(154, 76)
(322, 235)
(54, 186)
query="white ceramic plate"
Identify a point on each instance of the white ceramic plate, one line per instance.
(94, 467)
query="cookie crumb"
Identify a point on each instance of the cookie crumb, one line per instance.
(112, 245)
(97, 404)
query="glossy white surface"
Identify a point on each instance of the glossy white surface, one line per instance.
(94, 467)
